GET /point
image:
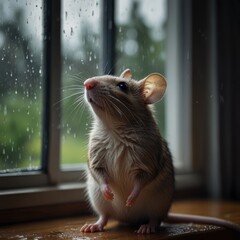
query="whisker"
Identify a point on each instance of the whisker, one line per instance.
(127, 109)
(67, 97)
(122, 113)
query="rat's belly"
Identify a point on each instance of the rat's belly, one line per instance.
(149, 204)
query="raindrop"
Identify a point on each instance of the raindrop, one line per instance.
(92, 12)
(71, 31)
(5, 111)
(70, 67)
(16, 92)
(152, 49)
(4, 151)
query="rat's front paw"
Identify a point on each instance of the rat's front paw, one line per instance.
(131, 199)
(107, 192)
(133, 195)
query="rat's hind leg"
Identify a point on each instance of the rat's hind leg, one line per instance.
(95, 227)
(148, 228)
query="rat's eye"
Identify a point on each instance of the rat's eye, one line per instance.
(123, 86)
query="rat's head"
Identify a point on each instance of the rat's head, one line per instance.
(122, 99)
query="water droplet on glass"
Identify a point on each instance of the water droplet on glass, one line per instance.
(5, 111)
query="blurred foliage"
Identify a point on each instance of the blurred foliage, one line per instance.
(19, 127)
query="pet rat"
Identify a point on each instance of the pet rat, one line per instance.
(130, 172)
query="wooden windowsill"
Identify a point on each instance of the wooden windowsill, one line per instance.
(68, 228)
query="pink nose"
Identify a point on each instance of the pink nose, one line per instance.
(90, 83)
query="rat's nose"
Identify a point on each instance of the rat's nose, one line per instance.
(90, 83)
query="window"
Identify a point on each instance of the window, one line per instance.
(45, 64)
(21, 46)
(81, 58)
(141, 41)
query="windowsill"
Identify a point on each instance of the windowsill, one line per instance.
(69, 228)
(70, 192)
(39, 196)
(55, 198)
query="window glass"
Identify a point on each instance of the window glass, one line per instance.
(81, 45)
(20, 85)
(140, 40)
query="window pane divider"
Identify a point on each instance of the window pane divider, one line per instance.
(108, 37)
(52, 78)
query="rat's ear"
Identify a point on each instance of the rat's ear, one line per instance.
(126, 74)
(153, 87)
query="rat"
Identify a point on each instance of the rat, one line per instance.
(130, 174)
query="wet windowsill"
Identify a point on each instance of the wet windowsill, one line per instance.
(69, 227)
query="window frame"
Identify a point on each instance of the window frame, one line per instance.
(53, 185)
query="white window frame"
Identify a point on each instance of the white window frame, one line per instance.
(178, 97)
